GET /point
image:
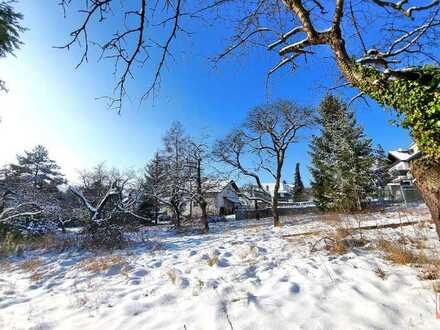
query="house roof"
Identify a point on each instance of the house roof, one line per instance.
(404, 155)
(218, 186)
(284, 187)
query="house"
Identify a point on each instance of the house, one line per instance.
(400, 168)
(223, 198)
(402, 187)
(285, 191)
(255, 198)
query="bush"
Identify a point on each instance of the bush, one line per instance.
(105, 236)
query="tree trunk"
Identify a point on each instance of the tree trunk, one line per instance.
(156, 211)
(205, 223)
(257, 214)
(427, 175)
(275, 214)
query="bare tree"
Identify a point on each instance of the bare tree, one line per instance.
(266, 135)
(198, 158)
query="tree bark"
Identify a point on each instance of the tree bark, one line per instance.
(427, 175)
(275, 213)
(205, 223)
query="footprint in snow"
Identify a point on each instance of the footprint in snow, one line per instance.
(295, 288)
(140, 273)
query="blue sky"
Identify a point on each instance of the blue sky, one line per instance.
(53, 104)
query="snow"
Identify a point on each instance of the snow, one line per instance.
(243, 275)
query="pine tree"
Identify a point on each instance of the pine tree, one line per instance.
(10, 31)
(36, 166)
(381, 171)
(154, 182)
(342, 159)
(298, 188)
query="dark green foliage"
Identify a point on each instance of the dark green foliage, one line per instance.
(298, 188)
(416, 97)
(36, 166)
(10, 30)
(342, 159)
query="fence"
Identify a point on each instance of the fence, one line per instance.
(284, 209)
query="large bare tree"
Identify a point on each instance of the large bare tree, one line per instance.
(381, 48)
(265, 137)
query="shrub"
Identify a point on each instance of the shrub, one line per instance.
(104, 236)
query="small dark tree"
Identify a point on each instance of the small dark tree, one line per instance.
(155, 177)
(298, 188)
(36, 166)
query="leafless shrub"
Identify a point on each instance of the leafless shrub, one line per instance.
(379, 272)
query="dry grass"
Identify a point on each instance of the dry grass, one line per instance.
(338, 247)
(429, 272)
(172, 276)
(400, 254)
(30, 265)
(37, 276)
(102, 264)
(212, 260)
(5, 265)
(343, 232)
(436, 286)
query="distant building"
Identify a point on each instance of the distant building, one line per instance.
(400, 169)
(401, 186)
(285, 192)
(223, 198)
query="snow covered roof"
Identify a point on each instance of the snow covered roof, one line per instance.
(284, 187)
(218, 186)
(401, 155)
(404, 155)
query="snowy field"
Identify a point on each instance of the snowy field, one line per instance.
(243, 275)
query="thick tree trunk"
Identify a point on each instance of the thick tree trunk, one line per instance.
(427, 175)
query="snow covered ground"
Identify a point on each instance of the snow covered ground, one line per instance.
(243, 275)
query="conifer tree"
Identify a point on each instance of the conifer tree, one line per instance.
(10, 32)
(381, 171)
(36, 165)
(298, 188)
(154, 182)
(342, 159)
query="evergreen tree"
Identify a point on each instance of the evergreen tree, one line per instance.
(10, 30)
(381, 171)
(342, 159)
(36, 165)
(154, 185)
(298, 188)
